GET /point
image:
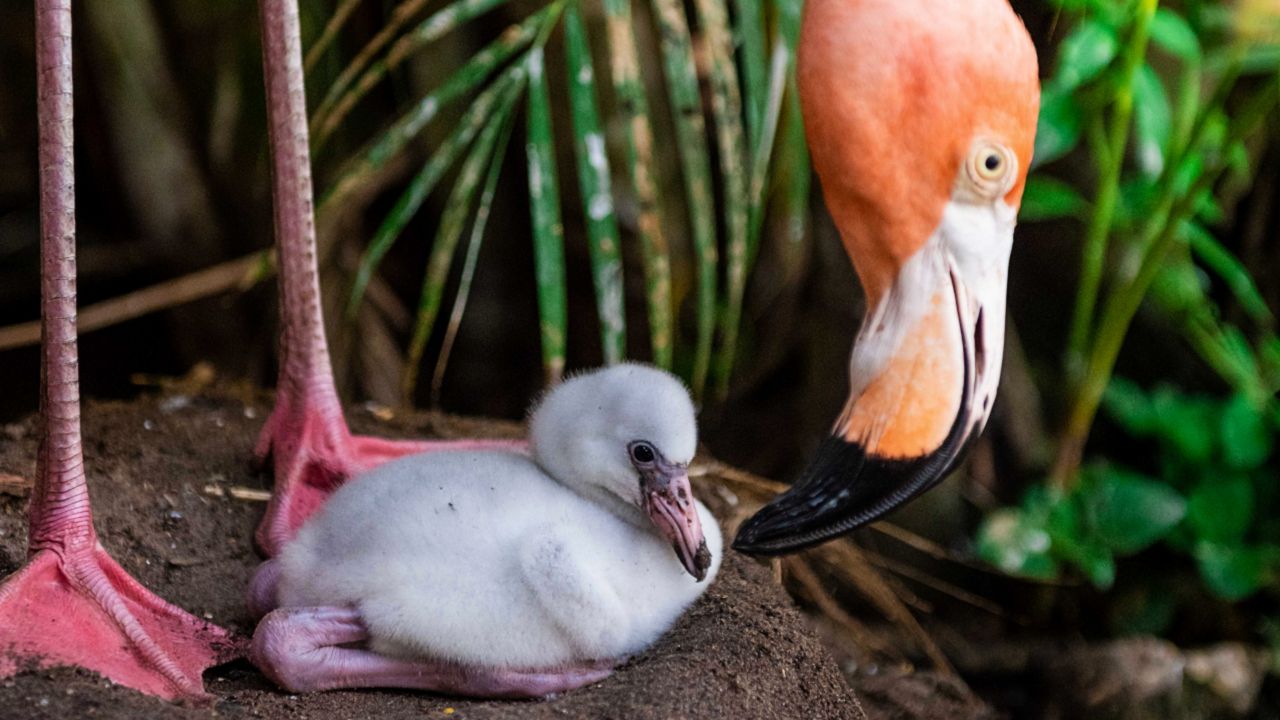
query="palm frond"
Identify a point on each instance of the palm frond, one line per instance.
(597, 193)
(452, 224)
(548, 231)
(425, 181)
(759, 154)
(637, 139)
(686, 108)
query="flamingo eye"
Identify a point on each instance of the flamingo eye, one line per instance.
(989, 171)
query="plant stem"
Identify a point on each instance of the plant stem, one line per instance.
(1157, 241)
(1099, 230)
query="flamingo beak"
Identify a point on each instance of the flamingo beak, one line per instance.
(925, 374)
(667, 498)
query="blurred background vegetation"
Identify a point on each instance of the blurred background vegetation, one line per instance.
(509, 189)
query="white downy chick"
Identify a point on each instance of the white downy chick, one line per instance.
(498, 559)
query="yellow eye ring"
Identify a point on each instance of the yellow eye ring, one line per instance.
(989, 170)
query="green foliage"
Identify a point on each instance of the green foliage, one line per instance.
(1208, 500)
(1152, 93)
(1160, 145)
(748, 86)
(548, 231)
(1153, 97)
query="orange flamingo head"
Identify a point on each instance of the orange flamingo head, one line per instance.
(920, 117)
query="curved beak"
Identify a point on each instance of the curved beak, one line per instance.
(925, 375)
(667, 498)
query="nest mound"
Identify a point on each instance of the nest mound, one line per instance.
(176, 502)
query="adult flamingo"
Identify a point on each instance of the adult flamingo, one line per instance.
(921, 117)
(71, 603)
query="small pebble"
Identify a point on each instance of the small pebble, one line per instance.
(174, 403)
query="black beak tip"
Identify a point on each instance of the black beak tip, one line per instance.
(759, 534)
(843, 489)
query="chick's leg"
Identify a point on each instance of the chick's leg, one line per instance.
(307, 649)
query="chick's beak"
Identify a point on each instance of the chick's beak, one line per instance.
(667, 498)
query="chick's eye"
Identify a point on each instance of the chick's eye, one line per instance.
(642, 453)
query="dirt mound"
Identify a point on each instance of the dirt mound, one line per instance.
(173, 492)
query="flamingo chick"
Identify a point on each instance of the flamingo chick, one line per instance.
(493, 573)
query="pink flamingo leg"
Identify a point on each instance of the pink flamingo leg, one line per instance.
(72, 604)
(306, 436)
(303, 650)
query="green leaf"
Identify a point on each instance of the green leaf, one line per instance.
(342, 96)
(1170, 31)
(1237, 347)
(762, 151)
(1246, 439)
(1179, 285)
(452, 224)
(1227, 266)
(1257, 59)
(469, 262)
(320, 45)
(748, 34)
(1047, 198)
(794, 177)
(1231, 572)
(1084, 54)
(1130, 512)
(1137, 195)
(597, 193)
(1221, 511)
(1153, 117)
(548, 231)
(637, 140)
(1078, 544)
(732, 152)
(1129, 406)
(1010, 540)
(1058, 128)
(1099, 565)
(465, 79)
(425, 181)
(686, 109)
(1185, 424)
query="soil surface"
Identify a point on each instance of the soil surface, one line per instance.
(168, 478)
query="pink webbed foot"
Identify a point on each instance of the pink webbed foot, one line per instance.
(313, 452)
(302, 650)
(81, 608)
